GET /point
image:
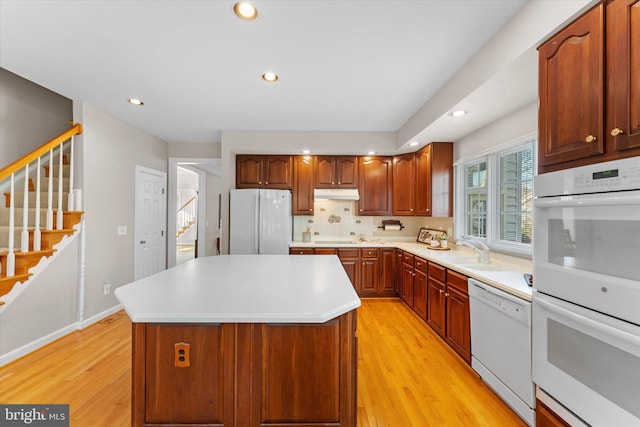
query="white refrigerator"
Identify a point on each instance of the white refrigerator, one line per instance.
(260, 221)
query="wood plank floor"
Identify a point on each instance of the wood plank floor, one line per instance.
(406, 375)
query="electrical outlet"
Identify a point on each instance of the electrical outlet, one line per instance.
(181, 355)
(106, 288)
(122, 230)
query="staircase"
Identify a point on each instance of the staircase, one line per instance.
(47, 223)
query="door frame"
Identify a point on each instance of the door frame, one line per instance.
(171, 201)
(163, 210)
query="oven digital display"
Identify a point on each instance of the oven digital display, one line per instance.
(606, 174)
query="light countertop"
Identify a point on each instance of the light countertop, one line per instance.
(505, 272)
(243, 289)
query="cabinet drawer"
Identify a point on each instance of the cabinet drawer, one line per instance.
(301, 251)
(458, 281)
(420, 264)
(437, 272)
(369, 253)
(325, 251)
(407, 258)
(348, 252)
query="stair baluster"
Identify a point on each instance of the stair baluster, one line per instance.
(49, 224)
(70, 199)
(24, 237)
(11, 257)
(37, 235)
(59, 212)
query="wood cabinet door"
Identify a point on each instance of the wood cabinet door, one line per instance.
(302, 203)
(399, 275)
(351, 266)
(458, 329)
(374, 175)
(403, 184)
(248, 171)
(423, 181)
(387, 282)
(204, 380)
(571, 92)
(623, 75)
(369, 275)
(277, 172)
(300, 374)
(420, 293)
(407, 284)
(441, 169)
(347, 171)
(325, 172)
(436, 304)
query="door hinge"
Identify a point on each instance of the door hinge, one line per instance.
(161, 233)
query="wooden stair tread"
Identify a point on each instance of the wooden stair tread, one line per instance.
(7, 283)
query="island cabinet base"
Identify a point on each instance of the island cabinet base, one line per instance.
(245, 374)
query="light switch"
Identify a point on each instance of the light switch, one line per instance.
(122, 230)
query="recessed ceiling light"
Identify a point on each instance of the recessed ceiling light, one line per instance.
(135, 101)
(413, 143)
(270, 77)
(245, 10)
(459, 113)
(371, 153)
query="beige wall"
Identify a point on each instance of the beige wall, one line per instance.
(111, 150)
(30, 115)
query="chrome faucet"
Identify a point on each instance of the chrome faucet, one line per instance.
(484, 255)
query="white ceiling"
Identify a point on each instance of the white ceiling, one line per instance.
(350, 65)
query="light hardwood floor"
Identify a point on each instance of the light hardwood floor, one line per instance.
(406, 375)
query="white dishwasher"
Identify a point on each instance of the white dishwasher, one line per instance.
(501, 346)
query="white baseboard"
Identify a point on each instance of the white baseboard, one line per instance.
(98, 317)
(47, 339)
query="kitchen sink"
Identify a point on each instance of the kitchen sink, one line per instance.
(484, 267)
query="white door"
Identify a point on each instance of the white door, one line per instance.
(150, 224)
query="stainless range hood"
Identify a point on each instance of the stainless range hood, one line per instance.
(335, 194)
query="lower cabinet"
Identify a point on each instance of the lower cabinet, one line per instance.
(448, 308)
(372, 271)
(545, 417)
(245, 374)
(420, 287)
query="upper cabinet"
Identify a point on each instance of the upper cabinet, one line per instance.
(303, 171)
(336, 172)
(589, 89)
(375, 185)
(257, 171)
(423, 181)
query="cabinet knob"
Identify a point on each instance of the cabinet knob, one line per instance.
(266, 182)
(441, 291)
(590, 138)
(259, 182)
(447, 295)
(332, 183)
(339, 183)
(616, 132)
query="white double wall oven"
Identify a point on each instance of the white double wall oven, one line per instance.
(586, 305)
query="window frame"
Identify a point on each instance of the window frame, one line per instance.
(492, 157)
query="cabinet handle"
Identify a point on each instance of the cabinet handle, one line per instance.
(441, 291)
(590, 138)
(447, 295)
(616, 132)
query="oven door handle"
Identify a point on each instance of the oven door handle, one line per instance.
(593, 324)
(608, 199)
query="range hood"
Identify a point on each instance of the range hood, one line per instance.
(335, 194)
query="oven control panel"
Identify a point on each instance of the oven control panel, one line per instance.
(598, 179)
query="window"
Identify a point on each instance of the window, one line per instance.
(495, 198)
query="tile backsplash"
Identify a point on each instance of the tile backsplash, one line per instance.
(337, 218)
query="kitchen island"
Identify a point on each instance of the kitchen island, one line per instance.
(244, 340)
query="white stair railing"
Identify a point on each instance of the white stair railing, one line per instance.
(186, 215)
(22, 166)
